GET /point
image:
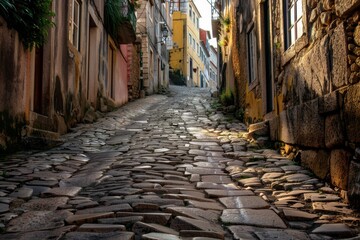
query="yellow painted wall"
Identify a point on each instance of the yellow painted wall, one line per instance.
(253, 108)
(177, 54)
(191, 51)
(182, 52)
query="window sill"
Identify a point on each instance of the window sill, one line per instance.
(294, 49)
(253, 84)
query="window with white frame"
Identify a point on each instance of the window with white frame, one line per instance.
(190, 39)
(190, 11)
(293, 21)
(74, 24)
(193, 43)
(197, 23)
(197, 49)
(251, 47)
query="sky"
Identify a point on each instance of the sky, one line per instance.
(205, 21)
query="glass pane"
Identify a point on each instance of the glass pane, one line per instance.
(299, 29)
(292, 16)
(76, 12)
(299, 11)
(292, 36)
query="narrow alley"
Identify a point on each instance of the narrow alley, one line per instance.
(166, 167)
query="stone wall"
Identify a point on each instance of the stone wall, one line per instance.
(320, 93)
(134, 84)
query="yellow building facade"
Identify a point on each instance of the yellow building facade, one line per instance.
(185, 55)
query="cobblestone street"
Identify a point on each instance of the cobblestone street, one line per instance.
(166, 167)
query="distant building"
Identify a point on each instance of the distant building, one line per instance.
(185, 55)
(154, 32)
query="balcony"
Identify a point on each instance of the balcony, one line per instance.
(120, 21)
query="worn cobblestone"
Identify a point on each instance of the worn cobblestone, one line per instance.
(166, 167)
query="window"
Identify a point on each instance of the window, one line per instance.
(293, 21)
(190, 39)
(251, 45)
(193, 43)
(190, 11)
(74, 29)
(197, 48)
(193, 18)
(197, 23)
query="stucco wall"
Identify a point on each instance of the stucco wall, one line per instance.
(15, 75)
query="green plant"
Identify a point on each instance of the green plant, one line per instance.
(116, 12)
(227, 98)
(239, 114)
(177, 78)
(113, 17)
(5, 6)
(223, 41)
(32, 19)
(225, 21)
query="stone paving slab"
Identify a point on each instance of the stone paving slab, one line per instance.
(88, 217)
(45, 204)
(196, 213)
(38, 220)
(140, 228)
(91, 227)
(46, 234)
(184, 223)
(160, 236)
(225, 193)
(105, 236)
(112, 208)
(259, 218)
(62, 191)
(253, 202)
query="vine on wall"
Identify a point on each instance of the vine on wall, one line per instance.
(32, 19)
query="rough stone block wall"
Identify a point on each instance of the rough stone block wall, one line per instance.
(321, 94)
(134, 80)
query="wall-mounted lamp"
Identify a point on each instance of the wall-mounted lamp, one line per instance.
(164, 32)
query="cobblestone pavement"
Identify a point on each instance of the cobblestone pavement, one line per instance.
(166, 168)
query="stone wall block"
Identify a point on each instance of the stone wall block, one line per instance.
(334, 131)
(339, 168)
(344, 7)
(317, 161)
(354, 184)
(313, 71)
(274, 128)
(326, 18)
(338, 48)
(288, 125)
(328, 4)
(329, 102)
(357, 35)
(311, 125)
(352, 113)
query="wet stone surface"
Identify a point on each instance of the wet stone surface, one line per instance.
(166, 167)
